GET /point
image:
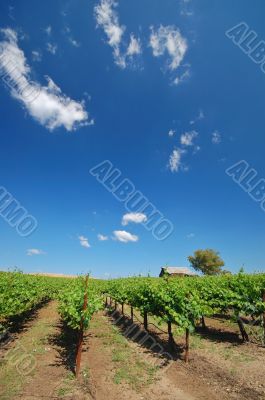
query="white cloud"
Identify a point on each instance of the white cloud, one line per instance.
(186, 139)
(171, 133)
(187, 13)
(52, 48)
(87, 95)
(53, 109)
(182, 78)
(68, 33)
(36, 56)
(201, 115)
(34, 252)
(9, 33)
(107, 18)
(137, 218)
(216, 137)
(84, 241)
(102, 238)
(190, 235)
(125, 237)
(196, 149)
(169, 39)
(185, 10)
(134, 46)
(11, 12)
(198, 118)
(74, 42)
(48, 30)
(46, 104)
(175, 160)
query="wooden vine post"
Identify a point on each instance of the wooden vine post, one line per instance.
(187, 347)
(81, 334)
(169, 326)
(242, 329)
(132, 314)
(170, 335)
(263, 299)
(122, 308)
(145, 321)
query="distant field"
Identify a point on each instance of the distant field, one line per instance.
(52, 275)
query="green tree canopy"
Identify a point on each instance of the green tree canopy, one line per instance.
(207, 261)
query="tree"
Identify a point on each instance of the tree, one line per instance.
(207, 261)
(226, 272)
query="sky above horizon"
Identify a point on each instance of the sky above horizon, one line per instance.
(169, 94)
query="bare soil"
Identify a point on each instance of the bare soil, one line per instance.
(116, 365)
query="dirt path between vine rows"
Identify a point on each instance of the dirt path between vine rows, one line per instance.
(38, 363)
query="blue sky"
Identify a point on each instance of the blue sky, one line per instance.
(158, 89)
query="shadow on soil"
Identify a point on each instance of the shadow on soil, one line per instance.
(65, 342)
(173, 351)
(155, 343)
(17, 324)
(219, 335)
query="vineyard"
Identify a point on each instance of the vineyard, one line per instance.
(176, 306)
(184, 302)
(21, 293)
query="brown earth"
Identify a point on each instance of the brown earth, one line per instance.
(115, 366)
(52, 275)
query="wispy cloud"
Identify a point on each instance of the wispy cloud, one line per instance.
(34, 252)
(171, 133)
(50, 107)
(187, 138)
(190, 235)
(168, 39)
(175, 162)
(216, 137)
(185, 9)
(52, 48)
(102, 238)
(36, 56)
(48, 30)
(137, 218)
(125, 237)
(68, 33)
(201, 115)
(107, 18)
(134, 46)
(187, 144)
(11, 12)
(84, 242)
(198, 118)
(182, 78)
(74, 42)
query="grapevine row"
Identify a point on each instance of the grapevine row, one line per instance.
(184, 301)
